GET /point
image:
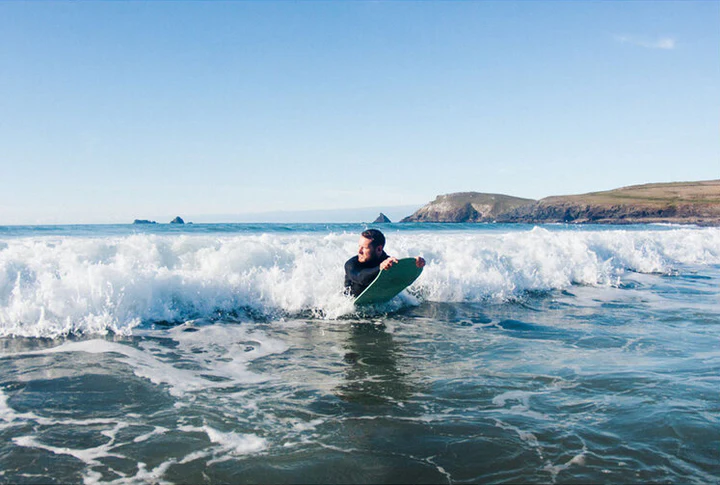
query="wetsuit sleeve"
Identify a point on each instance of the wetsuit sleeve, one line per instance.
(358, 278)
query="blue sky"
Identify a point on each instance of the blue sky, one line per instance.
(111, 111)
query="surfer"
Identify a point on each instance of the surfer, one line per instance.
(371, 258)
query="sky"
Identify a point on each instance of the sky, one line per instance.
(112, 111)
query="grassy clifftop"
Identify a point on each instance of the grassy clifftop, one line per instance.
(679, 202)
(706, 192)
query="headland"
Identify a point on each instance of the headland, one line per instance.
(672, 203)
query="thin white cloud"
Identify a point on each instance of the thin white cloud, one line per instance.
(666, 43)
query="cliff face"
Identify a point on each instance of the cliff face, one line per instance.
(682, 202)
(466, 207)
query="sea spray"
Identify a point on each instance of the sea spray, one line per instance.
(62, 285)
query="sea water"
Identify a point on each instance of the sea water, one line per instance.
(229, 353)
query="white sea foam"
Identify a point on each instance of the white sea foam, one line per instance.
(90, 456)
(223, 363)
(159, 430)
(143, 475)
(82, 285)
(8, 416)
(229, 443)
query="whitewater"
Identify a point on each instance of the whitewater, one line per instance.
(59, 285)
(229, 353)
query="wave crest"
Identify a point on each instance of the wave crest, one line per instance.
(57, 286)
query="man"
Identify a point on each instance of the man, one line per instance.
(362, 269)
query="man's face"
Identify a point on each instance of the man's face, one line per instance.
(366, 252)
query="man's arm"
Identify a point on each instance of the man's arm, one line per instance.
(389, 262)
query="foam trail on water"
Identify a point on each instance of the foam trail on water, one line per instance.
(53, 286)
(155, 363)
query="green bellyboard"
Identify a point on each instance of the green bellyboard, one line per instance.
(390, 282)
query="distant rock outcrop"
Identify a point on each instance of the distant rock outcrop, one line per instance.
(143, 221)
(177, 220)
(680, 202)
(382, 219)
(467, 207)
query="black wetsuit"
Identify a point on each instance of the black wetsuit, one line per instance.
(358, 276)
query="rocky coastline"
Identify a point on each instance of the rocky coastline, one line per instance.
(467, 207)
(672, 203)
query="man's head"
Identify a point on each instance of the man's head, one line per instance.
(371, 245)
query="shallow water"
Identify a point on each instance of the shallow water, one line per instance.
(525, 355)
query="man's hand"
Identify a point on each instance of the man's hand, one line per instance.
(419, 262)
(388, 263)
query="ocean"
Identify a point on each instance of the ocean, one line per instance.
(227, 353)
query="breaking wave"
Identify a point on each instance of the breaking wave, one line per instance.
(52, 286)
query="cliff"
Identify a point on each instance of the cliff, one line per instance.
(680, 202)
(467, 207)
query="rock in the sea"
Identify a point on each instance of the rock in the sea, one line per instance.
(466, 207)
(143, 221)
(177, 220)
(382, 219)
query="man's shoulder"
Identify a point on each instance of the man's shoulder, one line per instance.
(354, 261)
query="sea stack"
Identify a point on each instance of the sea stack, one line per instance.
(177, 220)
(382, 219)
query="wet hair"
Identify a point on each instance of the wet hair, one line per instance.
(376, 237)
